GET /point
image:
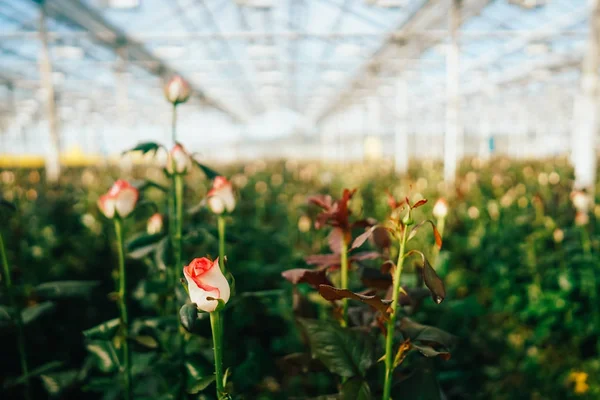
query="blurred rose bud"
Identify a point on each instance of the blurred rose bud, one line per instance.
(119, 201)
(581, 200)
(177, 90)
(205, 279)
(178, 160)
(440, 209)
(493, 209)
(155, 224)
(581, 218)
(558, 235)
(220, 196)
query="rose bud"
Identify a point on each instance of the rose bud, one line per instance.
(558, 235)
(205, 279)
(177, 90)
(178, 160)
(220, 196)
(120, 200)
(440, 209)
(155, 224)
(580, 200)
(581, 218)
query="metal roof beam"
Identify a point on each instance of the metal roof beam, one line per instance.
(431, 15)
(81, 15)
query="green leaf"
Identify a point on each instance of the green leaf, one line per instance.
(105, 330)
(58, 382)
(429, 351)
(147, 184)
(32, 313)
(209, 172)
(62, 289)
(5, 313)
(142, 245)
(146, 341)
(42, 369)
(144, 147)
(160, 255)
(429, 340)
(104, 354)
(8, 205)
(188, 315)
(343, 351)
(355, 389)
(200, 384)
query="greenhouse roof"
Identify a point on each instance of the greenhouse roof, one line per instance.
(247, 57)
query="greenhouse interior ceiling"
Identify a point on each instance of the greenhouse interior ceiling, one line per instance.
(296, 73)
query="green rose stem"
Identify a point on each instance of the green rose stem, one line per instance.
(123, 309)
(391, 325)
(18, 319)
(177, 235)
(217, 334)
(221, 227)
(585, 241)
(174, 125)
(344, 280)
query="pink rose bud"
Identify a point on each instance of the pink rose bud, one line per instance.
(440, 209)
(178, 160)
(177, 90)
(205, 279)
(120, 200)
(155, 224)
(581, 218)
(581, 201)
(220, 196)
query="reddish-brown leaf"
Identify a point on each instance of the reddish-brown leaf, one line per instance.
(402, 352)
(331, 293)
(362, 238)
(419, 203)
(365, 255)
(301, 275)
(381, 238)
(373, 278)
(321, 200)
(431, 278)
(335, 238)
(323, 260)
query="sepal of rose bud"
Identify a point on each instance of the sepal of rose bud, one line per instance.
(155, 224)
(178, 161)
(220, 197)
(440, 208)
(206, 283)
(119, 201)
(177, 90)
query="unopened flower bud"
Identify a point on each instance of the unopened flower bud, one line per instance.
(581, 218)
(205, 280)
(440, 208)
(178, 161)
(558, 235)
(119, 201)
(581, 201)
(220, 196)
(155, 224)
(177, 90)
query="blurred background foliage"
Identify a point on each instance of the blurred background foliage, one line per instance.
(521, 279)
